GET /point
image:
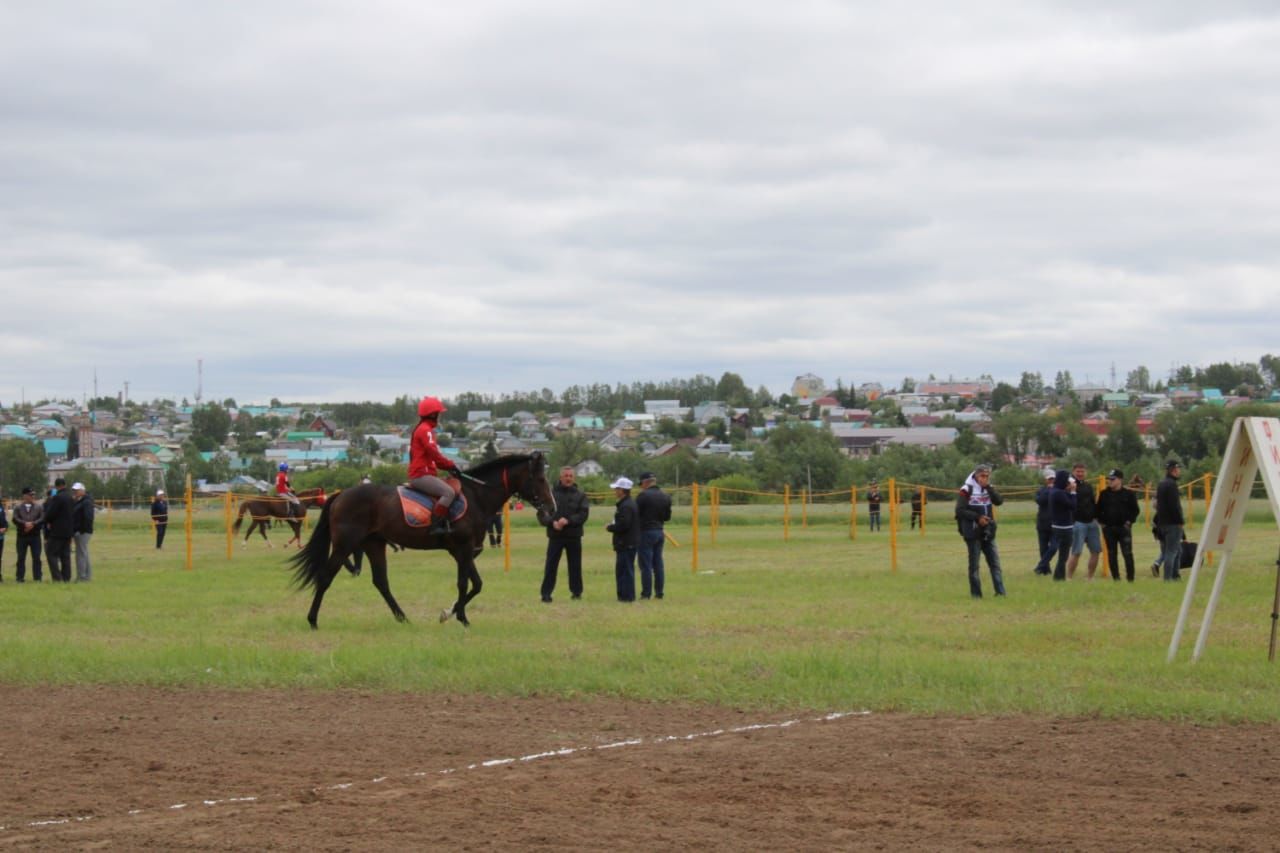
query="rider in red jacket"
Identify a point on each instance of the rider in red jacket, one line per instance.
(283, 489)
(425, 459)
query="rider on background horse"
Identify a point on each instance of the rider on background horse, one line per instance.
(284, 490)
(425, 458)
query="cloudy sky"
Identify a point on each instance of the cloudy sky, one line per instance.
(349, 201)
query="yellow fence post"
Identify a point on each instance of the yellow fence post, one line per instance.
(694, 501)
(189, 523)
(786, 513)
(1146, 503)
(924, 507)
(893, 530)
(226, 519)
(1191, 504)
(853, 513)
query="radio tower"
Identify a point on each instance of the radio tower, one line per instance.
(199, 381)
(1113, 376)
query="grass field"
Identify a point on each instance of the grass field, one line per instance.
(818, 622)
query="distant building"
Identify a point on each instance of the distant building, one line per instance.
(808, 387)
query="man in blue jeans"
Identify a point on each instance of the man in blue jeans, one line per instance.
(625, 528)
(1170, 520)
(975, 518)
(654, 508)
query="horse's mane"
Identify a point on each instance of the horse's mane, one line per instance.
(486, 468)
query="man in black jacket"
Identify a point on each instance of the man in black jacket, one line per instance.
(160, 517)
(564, 534)
(28, 517)
(1086, 530)
(82, 530)
(1169, 520)
(1117, 511)
(625, 528)
(654, 508)
(58, 530)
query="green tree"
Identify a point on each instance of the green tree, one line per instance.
(1139, 379)
(1031, 384)
(1003, 395)
(22, 463)
(1015, 431)
(733, 391)
(1063, 383)
(209, 426)
(571, 448)
(1124, 442)
(794, 453)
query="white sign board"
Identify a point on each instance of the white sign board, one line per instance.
(1254, 447)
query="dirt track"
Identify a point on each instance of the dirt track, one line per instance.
(132, 769)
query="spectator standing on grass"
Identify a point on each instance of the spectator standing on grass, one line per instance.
(58, 531)
(1044, 524)
(494, 529)
(1117, 511)
(4, 528)
(975, 516)
(28, 517)
(1086, 531)
(1062, 519)
(1170, 521)
(564, 534)
(653, 506)
(873, 505)
(82, 530)
(917, 506)
(625, 528)
(160, 517)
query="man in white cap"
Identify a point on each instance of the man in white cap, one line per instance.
(1044, 523)
(159, 516)
(82, 530)
(625, 528)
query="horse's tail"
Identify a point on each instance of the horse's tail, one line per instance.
(244, 507)
(309, 563)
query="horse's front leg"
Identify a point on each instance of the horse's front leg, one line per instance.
(469, 582)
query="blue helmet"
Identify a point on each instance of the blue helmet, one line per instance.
(284, 466)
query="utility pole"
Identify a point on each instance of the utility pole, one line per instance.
(199, 380)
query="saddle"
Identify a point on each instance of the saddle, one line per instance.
(417, 507)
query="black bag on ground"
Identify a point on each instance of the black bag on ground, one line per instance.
(1188, 554)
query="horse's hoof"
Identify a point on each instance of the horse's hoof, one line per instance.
(400, 617)
(314, 626)
(444, 616)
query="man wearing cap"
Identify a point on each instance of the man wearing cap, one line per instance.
(1117, 511)
(975, 516)
(1044, 524)
(625, 528)
(1085, 531)
(82, 530)
(873, 505)
(564, 534)
(653, 506)
(28, 517)
(58, 531)
(160, 516)
(1170, 521)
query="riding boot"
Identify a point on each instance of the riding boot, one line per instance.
(439, 518)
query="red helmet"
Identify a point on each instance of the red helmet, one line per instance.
(430, 406)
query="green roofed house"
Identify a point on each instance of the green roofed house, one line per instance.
(1214, 396)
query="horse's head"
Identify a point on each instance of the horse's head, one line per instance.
(536, 490)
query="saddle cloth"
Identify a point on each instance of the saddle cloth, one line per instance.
(417, 507)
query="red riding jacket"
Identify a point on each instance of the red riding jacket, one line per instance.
(425, 456)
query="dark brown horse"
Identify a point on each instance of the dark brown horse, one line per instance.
(264, 509)
(367, 517)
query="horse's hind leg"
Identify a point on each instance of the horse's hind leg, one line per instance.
(322, 585)
(377, 553)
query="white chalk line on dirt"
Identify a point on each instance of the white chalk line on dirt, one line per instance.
(479, 765)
